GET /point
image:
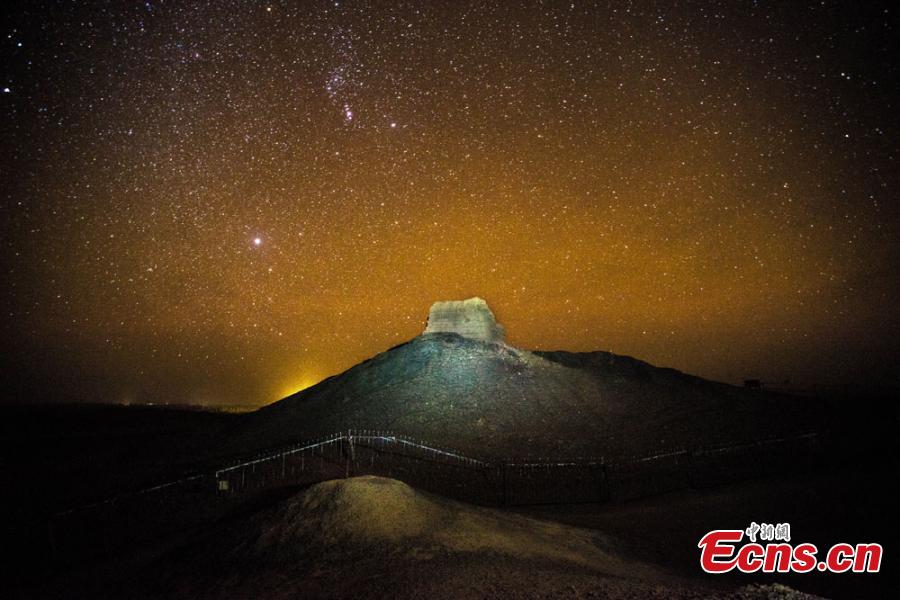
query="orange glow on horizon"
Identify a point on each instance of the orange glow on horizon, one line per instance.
(305, 381)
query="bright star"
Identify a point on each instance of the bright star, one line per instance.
(257, 241)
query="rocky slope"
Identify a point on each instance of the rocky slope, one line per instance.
(491, 399)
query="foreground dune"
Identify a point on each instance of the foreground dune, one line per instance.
(381, 538)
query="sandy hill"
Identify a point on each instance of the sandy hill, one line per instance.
(491, 399)
(380, 538)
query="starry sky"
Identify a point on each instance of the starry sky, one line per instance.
(224, 202)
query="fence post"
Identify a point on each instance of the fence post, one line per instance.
(350, 454)
(691, 477)
(605, 490)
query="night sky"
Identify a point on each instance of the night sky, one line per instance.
(225, 202)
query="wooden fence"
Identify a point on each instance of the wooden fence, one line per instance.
(201, 498)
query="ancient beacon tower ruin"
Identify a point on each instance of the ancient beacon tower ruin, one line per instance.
(470, 318)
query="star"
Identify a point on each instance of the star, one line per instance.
(643, 170)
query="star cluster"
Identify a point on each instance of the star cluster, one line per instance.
(224, 202)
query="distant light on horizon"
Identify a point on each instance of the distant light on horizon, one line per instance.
(303, 382)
